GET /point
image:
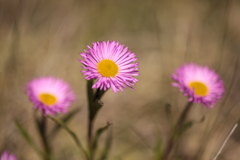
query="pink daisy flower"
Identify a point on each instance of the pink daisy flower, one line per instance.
(50, 95)
(111, 64)
(7, 156)
(201, 84)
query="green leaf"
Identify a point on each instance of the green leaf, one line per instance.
(64, 119)
(168, 112)
(27, 137)
(38, 124)
(94, 108)
(93, 103)
(98, 95)
(185, 127)
(158, 150)
(97, 135)
(94, 100)
(107, 147)
(72, 134)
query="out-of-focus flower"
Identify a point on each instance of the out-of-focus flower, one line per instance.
(201, 84)
(49, 94)
(7, 156)
(111, 64)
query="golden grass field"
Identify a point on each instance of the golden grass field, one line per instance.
(45, 37)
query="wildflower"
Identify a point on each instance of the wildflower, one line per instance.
(7, 156)
(201, 84)
(111, 64)
(50, 95)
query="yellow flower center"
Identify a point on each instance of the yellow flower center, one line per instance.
(107, 68)
(47, 99)
(199, 88)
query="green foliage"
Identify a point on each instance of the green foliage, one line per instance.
(66, 118)
(158, 149)
(96, 138)
(90, 91)
(28, 139)
(185, 127)
(168, 111)
(38, 123)
(72, 134)
(107, 147)
(189, 124)
(94, 103)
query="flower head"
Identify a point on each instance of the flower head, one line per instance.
(7, 156)
(49, 94)
(111, 64)
(201, 84)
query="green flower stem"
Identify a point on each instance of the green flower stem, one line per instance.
(176, 132)
(90, 128)
(94, 106)
(90, 115)
(43, 135)
(93, 109)
(29, 140)
(184, 115)
(72, 134)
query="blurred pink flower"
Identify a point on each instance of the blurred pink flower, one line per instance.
(7, 156)
(50, 95)
(201, 84)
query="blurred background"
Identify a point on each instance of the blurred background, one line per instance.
(45, 37)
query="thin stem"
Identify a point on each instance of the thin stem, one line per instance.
(90, 128)
(43, 134)
(91, 119)
(169, 148)
(184, 115)
(93, 108)
(176, 130)
(90, 94)
(72, 134)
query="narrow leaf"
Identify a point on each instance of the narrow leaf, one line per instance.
(168, 111)
(185, 127)
(94, 100)
(158, 150)
(98, 95)
(64, 119)
(107, 148)
(94, 108)
(27, 137)
(72, 134)
(97, 135)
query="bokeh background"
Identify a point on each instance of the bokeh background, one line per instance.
(45, 37)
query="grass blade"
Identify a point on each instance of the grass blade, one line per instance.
(64, 119)
(72, 134)
(97, 135)
(158, 150)
(107, 148)
(27, 137)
